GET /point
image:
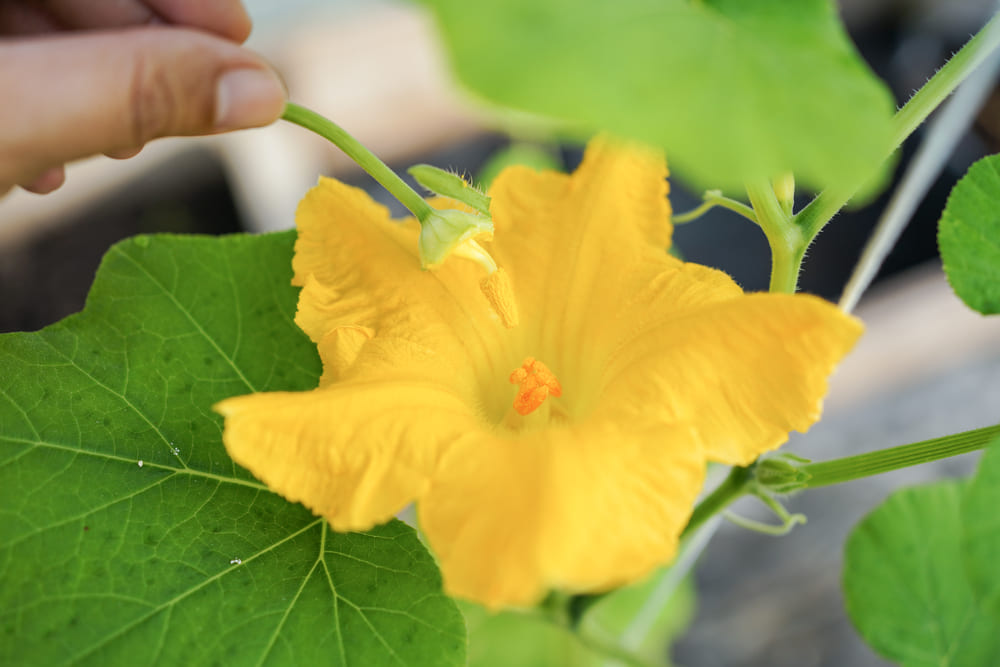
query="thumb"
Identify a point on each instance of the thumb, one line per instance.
(78, 95)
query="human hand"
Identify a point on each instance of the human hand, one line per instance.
(81, 77)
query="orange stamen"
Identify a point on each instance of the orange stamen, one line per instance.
(535, 383)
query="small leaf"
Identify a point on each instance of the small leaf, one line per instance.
(904, 586)
(733, 90)
(969, 236)
(981, 531)
(129, 537)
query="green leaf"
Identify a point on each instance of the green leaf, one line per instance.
(128, 536)
(969, 236)
(733, 90)
(904, 586)
(981, 531)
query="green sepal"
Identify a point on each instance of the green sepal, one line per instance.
(443, 231)
(781, 473)
(450, 185)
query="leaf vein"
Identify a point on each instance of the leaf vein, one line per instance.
(284, 617)
(187, 314)
(181, 596)
(142, 415)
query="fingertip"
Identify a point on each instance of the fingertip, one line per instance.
(50, 181)
(248, 97)
(241, 26)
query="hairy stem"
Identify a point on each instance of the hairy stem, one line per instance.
(367, 160)
(944, 133)
(818, 213)
(787, 244)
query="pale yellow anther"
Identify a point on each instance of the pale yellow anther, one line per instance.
(497, 288)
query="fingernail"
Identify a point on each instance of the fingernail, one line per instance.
(248, 98)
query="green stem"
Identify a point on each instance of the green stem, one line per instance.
(733, 205)
(945, 80)
(738, 483)
(788, 246)
(821, 210)
(329, 130)
(851, 468)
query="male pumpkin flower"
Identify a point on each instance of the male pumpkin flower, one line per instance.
(563, 453)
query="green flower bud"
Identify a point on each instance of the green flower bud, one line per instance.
(781, 473)
(784, 190)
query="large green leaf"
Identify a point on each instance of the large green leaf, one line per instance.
(905, 587)
(969, 236)
(732, 89)
(127, 534)
(981, 531)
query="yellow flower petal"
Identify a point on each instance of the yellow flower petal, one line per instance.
(744, 371)
(651, 368)
(355, 453)
(360, 268)
(576, 247)
(568, 240)
(582, 509)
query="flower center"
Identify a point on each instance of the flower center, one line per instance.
(535, 383)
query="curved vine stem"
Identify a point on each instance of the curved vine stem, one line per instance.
(821, 210)
(355, 150)
(944, 132)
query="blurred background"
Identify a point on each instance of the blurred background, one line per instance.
(926, 367)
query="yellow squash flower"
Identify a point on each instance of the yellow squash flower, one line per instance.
(563, 453)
